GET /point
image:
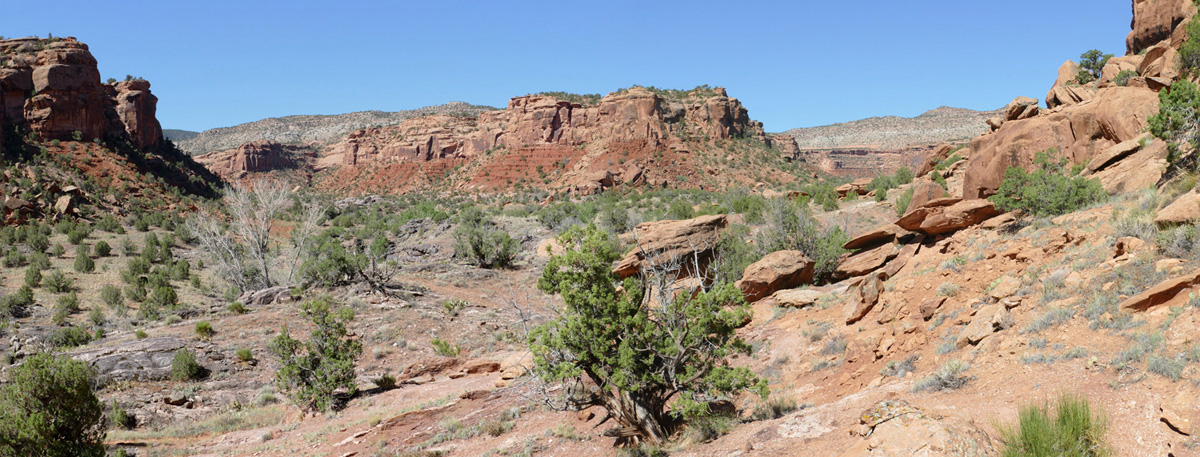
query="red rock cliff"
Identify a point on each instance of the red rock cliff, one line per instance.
(52, 87)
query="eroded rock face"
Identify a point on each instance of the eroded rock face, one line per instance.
(1077, 132)
(54, 89)
(777, 270)
(136, 108)
(1063, 92)
(1155, 21)
(254, 157)
(139, 360)
(666, 243)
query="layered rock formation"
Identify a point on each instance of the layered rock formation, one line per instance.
(1157, 20)
(52, 87)
(255, 157)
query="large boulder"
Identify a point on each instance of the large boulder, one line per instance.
(865, 262)
(1184, 210)
(987, 320)
(1116, 65)
(1160, 61)
(671, 244)
(1019, 108)
(864, 298)
(884, 234)
(1065, 91)
(777, 270)
(938, 217)
(1077, 132)
(1155, 21)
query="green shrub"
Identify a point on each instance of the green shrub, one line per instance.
(140, 334)
(793, 227)
(237, 308)
(903, 201)
(1177, 121)
(33, 276)
(102, 249)
(111, 295)
(17, 304)
(204, 330)
(76, 236)
(84, 263)
(312, 371)
(69, 337)
(685, 342)
(58, 282)
(1189, 52)
(184, 366)
(1122, 78)
(478, 240)
(163, 297)
(444, 348)
(244, 355)
(1070, 430)
(1047, 191)
(385, 382)
(49, 408)
(121, 418)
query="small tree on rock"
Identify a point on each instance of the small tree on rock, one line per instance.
(312, 371)
(1092, 65)
(648, 364)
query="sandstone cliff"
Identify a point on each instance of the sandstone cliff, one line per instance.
(635, 136)
(52, 87)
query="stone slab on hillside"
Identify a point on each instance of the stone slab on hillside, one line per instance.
(936, 218)
(1185, 209)
(140, 360)
(1161, 292)
(777, 270)
(668, 244)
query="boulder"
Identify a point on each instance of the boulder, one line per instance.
(1128, 245)
(796, 298)
(1161, 293)
(865, 262)
(266, 296)
(1184, 210)
(1160, 61)
(858, 187)
(884, 234)
(936, 219)
(1006, 286)
(902, 257)
(670, 243)
(938, 154)
(777, 270)
(64, 205)
(1140, 169)
(1019, 108)
(925, 191)
(138, 360)
(930, 306)
(1078, 133)
(1155, 21)
(632, 175)
(1065, 92)
(987, 320)
(864, 298)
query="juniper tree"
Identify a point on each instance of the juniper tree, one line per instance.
(647, 362)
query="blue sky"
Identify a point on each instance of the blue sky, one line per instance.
(791, 63)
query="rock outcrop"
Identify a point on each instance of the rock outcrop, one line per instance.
(255, 157)
(140, 360)
(52, 87)
(1155, 21)
(1078, 132)
(777, 270)
(1019, 108)
(671, 245)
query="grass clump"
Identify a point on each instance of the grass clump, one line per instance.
(948, 377)
(1069, 429)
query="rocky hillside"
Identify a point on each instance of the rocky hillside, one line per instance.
(320, 129)
(891, 132)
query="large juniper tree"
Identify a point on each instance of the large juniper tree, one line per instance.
(649, 363)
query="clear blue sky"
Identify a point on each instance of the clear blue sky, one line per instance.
(791, 63)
